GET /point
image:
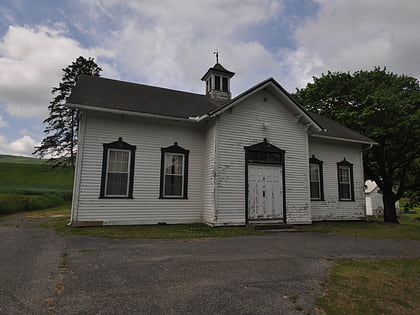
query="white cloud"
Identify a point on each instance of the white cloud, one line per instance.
(358, 35)
(3, 123)
(22, 146)
(31, 60)
(170, 43)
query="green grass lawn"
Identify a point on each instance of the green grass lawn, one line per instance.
(174, 231)
(388, 286)
(408, 229)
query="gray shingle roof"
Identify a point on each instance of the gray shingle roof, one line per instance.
(97, 92)
(220, 69)
(336, 130)
(112, 94)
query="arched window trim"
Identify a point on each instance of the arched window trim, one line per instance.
(314, 161)
(349, 166)
(175, 149)
(119, 145)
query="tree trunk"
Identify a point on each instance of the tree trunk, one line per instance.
(390, 212)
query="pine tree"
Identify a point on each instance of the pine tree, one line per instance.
(63, 122)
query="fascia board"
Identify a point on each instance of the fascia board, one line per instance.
(126, 112)
(343, 139)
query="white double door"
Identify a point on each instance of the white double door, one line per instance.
(265, 192)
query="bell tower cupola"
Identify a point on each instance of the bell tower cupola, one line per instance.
(217, 81)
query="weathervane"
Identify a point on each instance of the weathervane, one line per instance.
(217, 55)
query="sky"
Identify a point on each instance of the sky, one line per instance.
(170, 43)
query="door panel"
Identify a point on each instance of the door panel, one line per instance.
(265, 192)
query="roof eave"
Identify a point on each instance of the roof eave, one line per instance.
(344, 139)
(129, 113)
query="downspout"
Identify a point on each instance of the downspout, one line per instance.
(368, 148)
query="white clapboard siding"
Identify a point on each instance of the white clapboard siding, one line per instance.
(243, 126)
(209, 146)
(149, 137)
(330, 153)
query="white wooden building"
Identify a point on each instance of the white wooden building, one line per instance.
(149, 155)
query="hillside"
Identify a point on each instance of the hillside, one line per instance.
(30, 175)
(20, 159)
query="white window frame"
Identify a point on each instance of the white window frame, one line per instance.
(170, 154)
(107, 172)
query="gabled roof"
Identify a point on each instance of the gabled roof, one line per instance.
(101, 94)
(337, 131)
(93, 92)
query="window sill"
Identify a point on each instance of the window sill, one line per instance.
(116, 197)
(182, 198)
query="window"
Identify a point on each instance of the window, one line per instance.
(174, 172)
(117, 170)
(316, 179)
(345, 181)
(225, 87)
(217, 82)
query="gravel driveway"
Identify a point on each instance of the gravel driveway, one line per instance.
(279, 273)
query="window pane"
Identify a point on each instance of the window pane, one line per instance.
(117, 184)
(174, 164)
(314, 172)
(344, 174)
(173, 185)
(265, 157)
(124, 161)
(217, 82)
(225, 84)
(345, 191)
(118, 161)
(315, 191)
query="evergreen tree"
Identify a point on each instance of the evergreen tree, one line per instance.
(63, 122)
(385, 107)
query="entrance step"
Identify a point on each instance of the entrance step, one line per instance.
(272, 226)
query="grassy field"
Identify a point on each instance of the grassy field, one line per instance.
(30, 184)
(36, 177)
(388, 286)
(20, 159)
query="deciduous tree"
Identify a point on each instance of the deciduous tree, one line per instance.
(385, 107)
